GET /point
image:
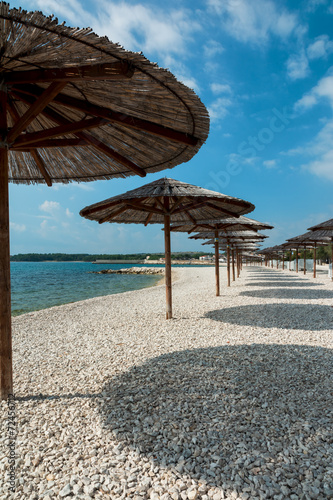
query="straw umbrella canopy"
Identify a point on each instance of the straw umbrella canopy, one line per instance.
(310, 240)
(77, 107)
(226, 224)
(162, 202)
(230, 238)
(235, 244)
(327, 227)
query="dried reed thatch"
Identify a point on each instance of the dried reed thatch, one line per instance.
(92, 109)
(328, 224)
(147, 204)
(224, 224)
(230, 236)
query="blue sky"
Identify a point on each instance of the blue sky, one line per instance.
(264, 70)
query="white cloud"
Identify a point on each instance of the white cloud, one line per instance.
(320, 48)
(220, 88)
(19, 228)
(139, 27)
(212, 48)
(219, 108)
(298, 66)
(269, 164)
(321, 150)
(323, 90)
(49, 207)
(69, 213)
(254, 21)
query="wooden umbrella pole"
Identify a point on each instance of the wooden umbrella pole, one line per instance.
(6, 370)
(238, 262)
(217, 269)
(167, 246)
(332, 260)
(233, 264)
(314, 259)
(283, 261)
(228, 263)
(304, 260)
(290, 260)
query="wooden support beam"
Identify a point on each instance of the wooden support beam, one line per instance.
(6, 363)
(222, 210)
(116, 117)
(41, 167)
(35, 109)
(111, 153)
(109, 217)
(85, 138)
(51, 143)
(69, 128)
(107, 71)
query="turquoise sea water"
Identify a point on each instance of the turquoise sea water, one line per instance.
(39, 285)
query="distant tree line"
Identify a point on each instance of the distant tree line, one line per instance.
(85, 257)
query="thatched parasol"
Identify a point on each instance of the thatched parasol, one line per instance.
(162, 202)
(233, 242)
(75, 106)
(229, 238)
(310, 240)
(217, 226)
(327, 228)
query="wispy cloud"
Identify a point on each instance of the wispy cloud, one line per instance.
(254, 22)
(323, 90)
(220, 88)
(219, 108)
(19, 228)
(298, 66)
(269, 164)
(320, 48)
(49, 207)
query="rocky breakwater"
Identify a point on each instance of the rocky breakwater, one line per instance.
(132, 270)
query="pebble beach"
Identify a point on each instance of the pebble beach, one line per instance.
(230, 399)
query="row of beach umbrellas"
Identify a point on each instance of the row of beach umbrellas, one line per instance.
(319, 235)
(75, 106)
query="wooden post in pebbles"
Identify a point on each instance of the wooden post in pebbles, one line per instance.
(304, 259)
(314, 259)
(283, 261)
(6, 369)
(233, 264)
(167, 265)
(332, 259)
(228, 263)
(217, 269)
(296, 259)
(290, 260)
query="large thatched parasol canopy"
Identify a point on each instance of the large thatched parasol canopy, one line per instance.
(162, 202)
(77, 107)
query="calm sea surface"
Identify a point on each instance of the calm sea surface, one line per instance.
(38, 285)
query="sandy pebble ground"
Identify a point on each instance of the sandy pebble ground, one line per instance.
(231, 399)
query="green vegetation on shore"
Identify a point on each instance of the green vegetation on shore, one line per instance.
(85, 257)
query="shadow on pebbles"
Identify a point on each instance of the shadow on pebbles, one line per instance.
(247, 421)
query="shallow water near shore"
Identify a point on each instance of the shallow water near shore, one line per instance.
(39, 285)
